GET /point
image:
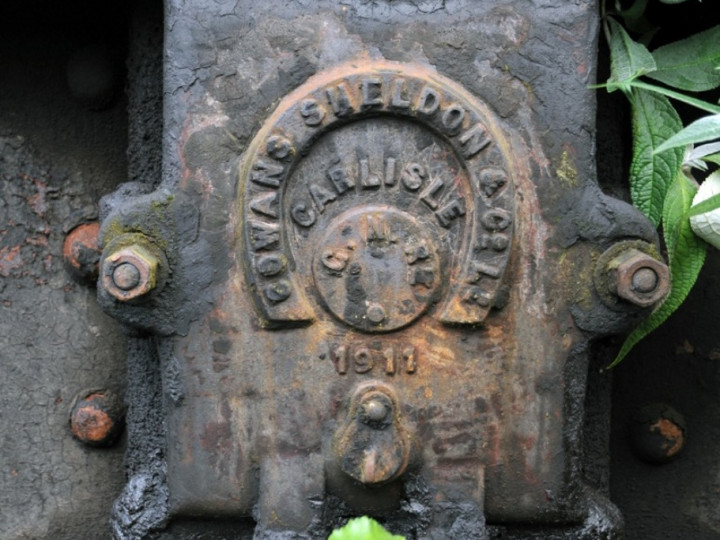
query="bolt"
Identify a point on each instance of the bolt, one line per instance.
(131, 271)
(657, 433)
(126, 276)
(81, 253)
(640, 278)
(645, 280)
(97, 418)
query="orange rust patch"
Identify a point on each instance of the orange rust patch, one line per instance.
(97, 419)
(91, 425)
(10, 260)
(672, 433)
(495, 331)
(81, 237)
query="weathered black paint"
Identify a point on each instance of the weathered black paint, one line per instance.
(675, 501)
(56, 159)
(203, 78)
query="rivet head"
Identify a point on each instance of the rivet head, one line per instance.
(81, 253)
(657, 433)
(97, 418)
(92, 76)
(375, 410)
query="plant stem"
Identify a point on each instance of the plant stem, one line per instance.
(700, 104)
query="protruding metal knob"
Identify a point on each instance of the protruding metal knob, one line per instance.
(376, 412)
(372, 444)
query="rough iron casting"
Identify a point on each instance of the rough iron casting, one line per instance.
(372, 272)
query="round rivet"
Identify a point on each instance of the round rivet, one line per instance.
(126, 276)
(81, 253)
(657, 433)
(375, 313)
(375, 410)
(645, 280)
(97, 418)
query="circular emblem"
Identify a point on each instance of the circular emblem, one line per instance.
(378, 192)
(376, 268)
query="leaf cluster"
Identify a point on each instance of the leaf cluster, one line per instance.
(660, 184)
(363, 528)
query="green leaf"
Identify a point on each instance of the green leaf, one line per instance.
(653, 121)
(702, 130)
(708, 205)
(690, 64)
(714, 158)
(676, 212)
(686, 253)
(363, 528)
(628, 59)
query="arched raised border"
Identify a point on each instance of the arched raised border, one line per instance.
(360, 90)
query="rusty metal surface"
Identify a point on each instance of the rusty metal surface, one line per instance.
(97, 418)
(641, 279)
(657, 433)
(381, 249)
(372, 445)
(370, 311)
(81, 253)
(433, 157)
(631, 271)
(57, 158)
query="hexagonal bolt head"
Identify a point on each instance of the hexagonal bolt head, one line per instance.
(130, 272)
(640, 278)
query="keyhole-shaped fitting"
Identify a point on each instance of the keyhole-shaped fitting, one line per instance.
(372, 444)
